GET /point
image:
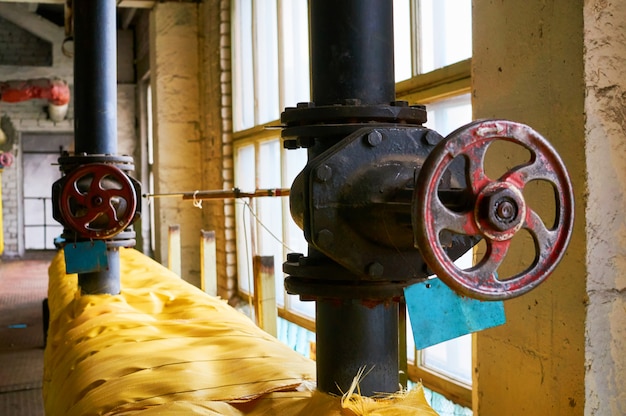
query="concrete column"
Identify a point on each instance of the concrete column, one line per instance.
(605, 109)
(527, 66)
(176, 116)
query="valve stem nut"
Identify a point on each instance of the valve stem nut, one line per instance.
(502, 210)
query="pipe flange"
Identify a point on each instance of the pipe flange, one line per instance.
(396, 112)
(307, 122)
(310, 278)
(125, 239)
(369, 293)
(69, 162)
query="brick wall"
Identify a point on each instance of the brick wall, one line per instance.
(227, 147)
(21, 48)
(10, 209)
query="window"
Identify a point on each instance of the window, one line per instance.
(430, 34)
(264, 225)
(270, 71)
(146, 163)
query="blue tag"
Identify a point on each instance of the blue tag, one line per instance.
(86, 257)
(438, 314)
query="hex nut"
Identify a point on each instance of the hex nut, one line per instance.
(375, 269)
(323, 173)
(374, 138)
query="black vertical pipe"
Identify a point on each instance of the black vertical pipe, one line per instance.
(95, 108)
(352, 58)
(353, 337)
(352, 51)
(95, 77)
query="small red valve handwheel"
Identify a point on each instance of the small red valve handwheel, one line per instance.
(98, 201)
(6, 159)
(499, 210)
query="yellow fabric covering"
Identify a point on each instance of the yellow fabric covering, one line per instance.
(163, 347)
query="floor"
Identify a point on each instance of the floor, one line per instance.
(23, 287)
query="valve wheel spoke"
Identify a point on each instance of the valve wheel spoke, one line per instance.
(544, 238)
(460, 223)
(76, 194)
(496, 252)
(533, 171)
(475, 154)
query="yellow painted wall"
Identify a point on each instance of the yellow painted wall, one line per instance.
(528, 66)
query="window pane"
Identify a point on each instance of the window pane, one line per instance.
(269, 236)
(269, 164)
(305, 308)
(448, 115)
(245, 180)
(243, 66)
(445, 33)
(295, 52)
(266, 48)
(269, 211)
(295, 160)
(402, 39)
(452, 358)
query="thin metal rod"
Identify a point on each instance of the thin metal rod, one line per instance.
(223, 194)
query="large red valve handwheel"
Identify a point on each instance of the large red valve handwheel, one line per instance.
(499, 210)
(97, 201)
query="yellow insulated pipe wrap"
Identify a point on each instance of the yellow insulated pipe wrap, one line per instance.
(165, 347)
